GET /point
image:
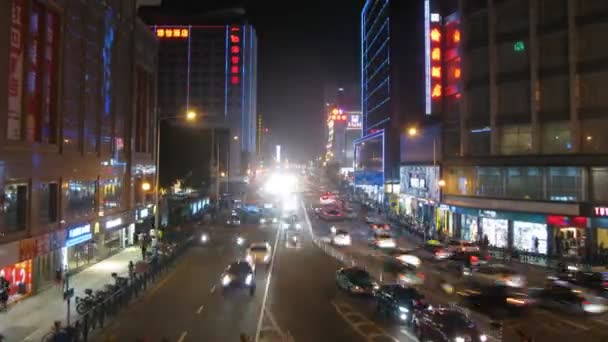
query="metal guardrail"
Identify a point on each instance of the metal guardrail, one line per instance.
(96, 318)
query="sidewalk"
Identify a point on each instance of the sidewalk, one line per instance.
(32, 318)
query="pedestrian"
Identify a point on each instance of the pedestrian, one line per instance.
(58, 277)
(144, 249)
(4, 292)
(486, 241)
(131, 269)
(535, 244)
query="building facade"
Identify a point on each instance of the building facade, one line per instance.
(77, 135)
(209, 67)
(530, 169)
(343, 124)
(392, 92)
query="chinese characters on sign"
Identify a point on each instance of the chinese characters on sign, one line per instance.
(355, 121)
(235, 54)
(172, 32)
(15, 70)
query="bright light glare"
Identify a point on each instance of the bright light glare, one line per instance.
(279, 184)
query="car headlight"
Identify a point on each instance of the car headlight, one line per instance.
(262, 220)
(266, 257)
(403, 317)
(248, 279)
(248, 258)
(376, 286)
(357, 288)
(226, 280)
(403, 309)
(240, 240)
(228, 222)
(298, 226)
(274, 220)
(483, 338)
(204, 238)
(459, 339)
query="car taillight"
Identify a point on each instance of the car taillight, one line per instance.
(386, 226)
(420, 275)
(474, 260)
(585, 302)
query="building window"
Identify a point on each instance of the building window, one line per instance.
(589, 35)
(479, 141)
(111, 193)
(48, 203)
(556, 138)
(599, 185)
(81, 197)
(460, 181)
(566, 184)
(524, 183)
(14, 202)
(554, 95)
(594, 137)
(489, 182)
(516, 139)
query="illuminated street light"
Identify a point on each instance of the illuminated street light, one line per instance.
(441, 183)
(412, 131)
(191, 115)
(145, 186)
(235, 137)
(223, 174)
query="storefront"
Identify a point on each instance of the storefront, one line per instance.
(419, 194)
(79, 250)
(599, 223)
(118, 232)
(530, 237)
(569, 235)
(19, 276)
(496, 231)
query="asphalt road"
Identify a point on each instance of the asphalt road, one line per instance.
(540, 324)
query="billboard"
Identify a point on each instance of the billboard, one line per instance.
(369, 160)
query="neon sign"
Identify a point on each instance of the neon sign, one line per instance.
(435, 37)
(78, 235)
(172, 32)
(235, 51)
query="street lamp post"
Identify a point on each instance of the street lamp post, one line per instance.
(190, 116)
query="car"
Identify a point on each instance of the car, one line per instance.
(292, 239)
(379, 226)
(433, 250)
(383, 240)
(204, 238)
(259, 253)
(446, 324)
(239, 274)
(327, 198)
(496, 275)
(356, 280)
(341, 238)
(234, 220)
(497, 300)
(409, 274)
(562, 296)
(593, 279)
(399, 302)
(331, 214)
(464, 262)
(455, 246)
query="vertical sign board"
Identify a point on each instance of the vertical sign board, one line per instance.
(15, 70)
(451, 58)
(235, 54)
(436, 72)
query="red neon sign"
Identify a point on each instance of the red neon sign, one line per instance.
(436, 61)
(235, 51)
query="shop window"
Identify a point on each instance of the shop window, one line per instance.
(566, 184)
(602, 240)
(111, 193)
(524, 182)
(13, 208)
(496, 230)
(460, 181)
(81, 197)
(516, 139)
(48, 199)
(569, 241)
(530, 237)
(489, 182)
(599, 185)
(556, 138)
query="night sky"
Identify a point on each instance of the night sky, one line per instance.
(302, 45)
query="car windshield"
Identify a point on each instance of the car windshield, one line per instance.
(258, 249)
(239, 268)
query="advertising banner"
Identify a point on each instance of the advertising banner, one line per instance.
(15, 70)
(19, 277)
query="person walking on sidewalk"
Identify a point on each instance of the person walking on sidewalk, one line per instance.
(144, 248)
(4, 289)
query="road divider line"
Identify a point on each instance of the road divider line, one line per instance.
(200, 309)
(272, 260)
(182, 337)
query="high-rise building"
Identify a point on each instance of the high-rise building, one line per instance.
(528, 167)
(77, 135)
(209, 66)
(392, 91)
(343, 124)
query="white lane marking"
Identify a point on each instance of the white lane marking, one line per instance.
(408, 334)
(213, 289)
(272, 260)
(182, 337)
(200, 309)
(361, 321)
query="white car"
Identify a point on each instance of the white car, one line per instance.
(259, 253)
(341, 238)
(384, 240)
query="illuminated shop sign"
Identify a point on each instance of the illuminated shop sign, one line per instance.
(143, 213)
(355, 121)
(234, 39)
(417, 183)
(78, 235)
(601, 211)
(173, 32)
(113, 223)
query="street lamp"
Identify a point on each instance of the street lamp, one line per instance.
(236, 137)
(189, 116)
(441, 183)
(145, 186)
(412, 131)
